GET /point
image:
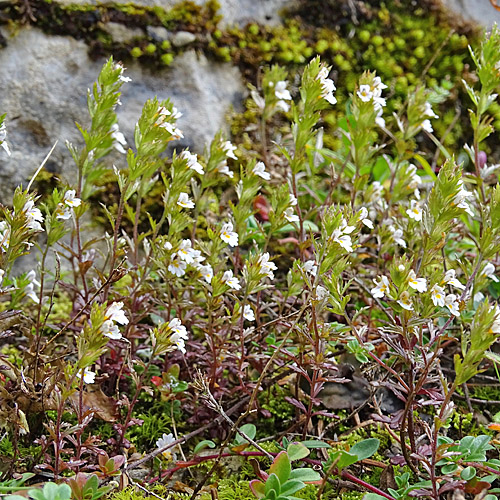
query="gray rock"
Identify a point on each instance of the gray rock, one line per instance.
(182, 38)
(44, 81)
(158, 33)
(480, 11)
(121, 33)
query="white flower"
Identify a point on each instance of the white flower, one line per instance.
(118, 139)
(260, 170)
(122, 78)
(452, 304)
(69, 201)
(224, 169)
(3, 136)
(283, 105)
(427, 126)
(184, 201)
(248, 313)
(377, 86)
(165, 440)
(175, 132)
(381, 287)
(179, 334)
(478, 298)
(116, 313)
(397, 236)
(450, 279)
(321, 292)
(228, 235)
(429, 112)
(29, 289)
(4, 236)
(192, 161)
(88, 375)
(460, 198)
(177, 266)
(488, 271)
(230, 280)
(33, 216)
(344, 240)
(109, 329)
(327, 85)
(167, 245)
(310, 267)
(197, 258)
(438, 295)
(290, 216)
(266, 266)
(495, 327)
(415, 212)
(365, 93)
(229, 149)
(405, 301)
(418, 284)
(363, 216)
(379, 120)
(176, 114)
(186, 252)
(207, 273)
(292, 200)
(281, 92)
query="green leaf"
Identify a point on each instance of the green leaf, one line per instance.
(468, 473)
(248, 429)
(281, 466)
(315, 443)
(365, 449)
(373, 496)
(291, 487)
(272, 483)
(449, 469)
(258, 488)
(346, 459)
(425, 166)
(296, 451)
(305, 475)
(206, 443)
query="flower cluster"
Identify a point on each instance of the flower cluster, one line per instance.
(327, 85)
(33, 216)
(114, 314)
(163, 121)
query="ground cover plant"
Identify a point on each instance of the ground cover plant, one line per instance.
(187, 352)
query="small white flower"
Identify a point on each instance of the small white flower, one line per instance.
(228, 235)
(427, 126)
(363, 216)
(381, 288)
(192, 161)
(3, 136)
(222, 168)
(122, 78)
(118, 139)
(450, 279)
(327, 85)
(290, 216)
(379, 120)
(167, 245)
(109, 329)
(33, 216)
(438, 295)
(29, 289)
(230, 280)
(415, 211)
(248, 313)
(207, 273)
(344, 240)
(229, 149)
(418, 284)
(292, 200)
(397, 236)
(186, 252)
(64, 209)
(260, 170)
(428, 111)
(177, 266)
(365, 93)
(266, 266)
(88, 375)
(478, 298)
(488, 271)
(165, 440)
(452, 304)
(310, 267)
(377, 86)
(495, 327)
(281, 92)
(322, 292)
(179, 334)
(116, 313)
(405, 301)
(460, 198)
(283, 105)
(175, 132)
(197, 258)
(184, 201)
